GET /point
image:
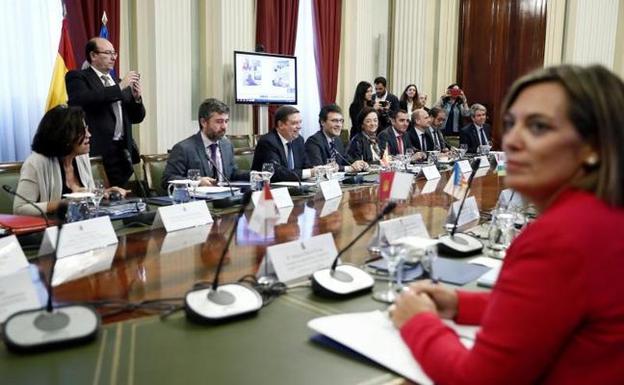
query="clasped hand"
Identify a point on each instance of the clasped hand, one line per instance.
(423, 296)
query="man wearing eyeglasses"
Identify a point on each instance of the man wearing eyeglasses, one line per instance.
(111, 107)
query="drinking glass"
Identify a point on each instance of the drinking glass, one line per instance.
(319, 173)
(463, 149)
(269, 169)
(502, 231)
(393, 254)
(427, 261)
(256, 180)
(98, 193)
(194, 176)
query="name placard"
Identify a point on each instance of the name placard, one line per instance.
(183, 216)
(469, 213)
(410, 225)
(12, 257)
(401, 186)
(281, 197)
(299, 259)
(179, 240)
(79, 237)
(431, 172)
(485, 162)
(464, 166)
(331, 189)
(18, 292)
(430, 186)
(510, 199)
(83, 264)
(330, 206)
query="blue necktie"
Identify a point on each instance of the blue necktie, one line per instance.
(291, 160)
(483, 138)
(332, 149)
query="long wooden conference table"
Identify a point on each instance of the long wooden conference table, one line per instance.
(274, 347)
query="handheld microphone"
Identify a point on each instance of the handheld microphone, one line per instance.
(49, 327)
(230, 201)
(303, 190)
(221, 303)
(461, 245)
(346, 280)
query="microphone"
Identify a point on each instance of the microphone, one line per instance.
(461, 245)
(220, 303)
(346, 280)
(50, 327)
(303, 190)
(230, 201)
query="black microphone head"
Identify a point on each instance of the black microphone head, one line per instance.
(7, 188)
(476, 162)
(389, 207)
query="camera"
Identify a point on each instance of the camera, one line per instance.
(384, 103)
(456, 92)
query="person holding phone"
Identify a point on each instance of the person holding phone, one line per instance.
(455, 105)
(384, 102)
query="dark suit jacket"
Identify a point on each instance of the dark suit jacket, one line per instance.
(86, 90)
(384, 117)
(468, 135)
(318, 151)
(359, 148)
(388, 138)
(415, 139)
(392, 98)
(443, 143)
(191, 153)
(269, 149)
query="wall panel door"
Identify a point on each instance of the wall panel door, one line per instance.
(499, 40)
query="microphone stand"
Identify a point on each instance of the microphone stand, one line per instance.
(49, 327)
(230, 201)
(461, 245)
(220, 303)
(346, 280)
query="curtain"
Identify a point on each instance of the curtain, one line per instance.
(276, 30)
(85, 19)
(327, 21)
(29, 37)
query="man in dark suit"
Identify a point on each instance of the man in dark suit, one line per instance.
(208, 150)
(283, 147)
(477, 133)
(437, 117)
(110, 107)
(396, 138)
(385, 102)
(326, 143)
(419, 135)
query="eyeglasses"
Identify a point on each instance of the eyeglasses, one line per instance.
(109, 53)
(336, 120)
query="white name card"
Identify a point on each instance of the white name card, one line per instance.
(183, 216)
(12, 257)
(396, 228)
(469, 213)
(510, 199)
(431, 172)
(281, 197)
(481, 172)
(18, 292)
(79, 237)
(430, 186)
(331, 189)
(330, 206)
(179, 240)
(298, 259)
(464, 166)
(485, 162)
(401, 186)
(84, 264)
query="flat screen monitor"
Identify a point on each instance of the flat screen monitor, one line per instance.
(261, 78)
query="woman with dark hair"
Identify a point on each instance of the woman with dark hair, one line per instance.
(410, 100)
(455, 104)
(364, 145)
(59, 163)
(363, 97)
(555, 315)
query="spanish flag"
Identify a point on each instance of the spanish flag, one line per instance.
(63, 63)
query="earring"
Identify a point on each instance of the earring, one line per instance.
(592, 160)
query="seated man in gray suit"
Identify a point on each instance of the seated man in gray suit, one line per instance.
(208, 150)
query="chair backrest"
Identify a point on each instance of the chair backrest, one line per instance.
(153, 169)
(9, 175)
(240, 141)
(243, 158)
(256, 137)
(344, 136)
(452, 140)
(98, 171)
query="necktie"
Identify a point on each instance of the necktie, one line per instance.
(436, 139)
(400, 143)
(332, 149)
(116, 111)
(291, 159)
(484, 141)
(213, 156)
(423, 144)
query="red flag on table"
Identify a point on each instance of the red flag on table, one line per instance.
(385, 184)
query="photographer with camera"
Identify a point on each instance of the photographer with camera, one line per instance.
(455, 104)
(386, 103)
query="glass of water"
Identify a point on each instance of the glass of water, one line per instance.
(194, 176)
(463, 149)
(502, 231)
(98, 193)
(393, 255)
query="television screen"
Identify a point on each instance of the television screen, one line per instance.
(262, 78)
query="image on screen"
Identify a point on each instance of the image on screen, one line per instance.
(261, 78)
